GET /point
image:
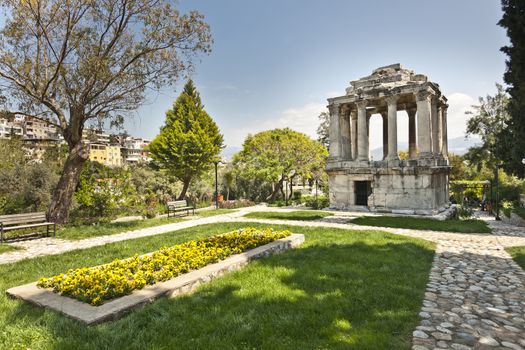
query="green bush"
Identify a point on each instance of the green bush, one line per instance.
(319, 203)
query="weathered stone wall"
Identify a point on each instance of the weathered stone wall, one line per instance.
(409, 190)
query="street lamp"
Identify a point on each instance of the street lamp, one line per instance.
(497, 192)
(216, 162)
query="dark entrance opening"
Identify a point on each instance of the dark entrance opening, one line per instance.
(362, 190)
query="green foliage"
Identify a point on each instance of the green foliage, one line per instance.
(189, 141)
(518, 254)
(320, 202)
(489, 120)
(323, 131)
(26, 185)
(270, 157)
(103, 192)
(513, 21)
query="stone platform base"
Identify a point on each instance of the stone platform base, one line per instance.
(116, 308)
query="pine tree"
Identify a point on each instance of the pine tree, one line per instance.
(189, 142)
(514, 21)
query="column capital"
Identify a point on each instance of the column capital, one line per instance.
(411, 112)
(333, 108)
(423, 95)
(392, 99)
(353, 114)
(344, 109)
(361, 104)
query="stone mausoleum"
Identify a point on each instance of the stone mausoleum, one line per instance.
(417, 185)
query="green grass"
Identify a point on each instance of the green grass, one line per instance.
(8, 248)
(518, 254)
(306, 215)
(463, 226)
(341, 289)
(86, 231)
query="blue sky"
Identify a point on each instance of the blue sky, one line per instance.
(274, 63)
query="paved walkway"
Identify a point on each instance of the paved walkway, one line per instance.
(475, 297)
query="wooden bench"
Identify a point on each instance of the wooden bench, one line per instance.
(179, 206)
(24, 221)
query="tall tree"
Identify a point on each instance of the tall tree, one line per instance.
(189, 142)
(323, 129)
(278, 155)
(490, 120)
(69, 62)
(514, 22)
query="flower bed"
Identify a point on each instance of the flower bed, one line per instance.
(95, 285)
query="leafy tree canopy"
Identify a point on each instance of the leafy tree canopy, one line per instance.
(70, 62)
(513, 21)
(277, 154)
(189, 142)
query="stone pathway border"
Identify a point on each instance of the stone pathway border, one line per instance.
(116, 308)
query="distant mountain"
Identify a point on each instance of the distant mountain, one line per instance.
(457, 145)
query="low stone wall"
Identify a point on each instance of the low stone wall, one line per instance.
(116, 308)
(514, 219)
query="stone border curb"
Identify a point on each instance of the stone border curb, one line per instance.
(181, 284)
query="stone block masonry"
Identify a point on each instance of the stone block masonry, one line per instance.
(116, 308)
(419, 184)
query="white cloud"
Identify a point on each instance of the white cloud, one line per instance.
(458, 103)
(303, 119)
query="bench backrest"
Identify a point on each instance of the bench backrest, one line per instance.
(177, 204)
(18, 219)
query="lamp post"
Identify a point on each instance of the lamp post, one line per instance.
(216, 162)
(497, 192)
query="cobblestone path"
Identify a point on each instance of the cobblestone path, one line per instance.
(475, 297)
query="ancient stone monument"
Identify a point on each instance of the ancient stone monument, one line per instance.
(418, 185)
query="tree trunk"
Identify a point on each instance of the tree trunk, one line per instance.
(276, 190)
(185, 186)
(228, 193)
(59, 208)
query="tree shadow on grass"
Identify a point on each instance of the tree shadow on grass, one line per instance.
(328, 296)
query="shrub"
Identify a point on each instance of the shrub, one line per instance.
(319, 203)
(95, 285)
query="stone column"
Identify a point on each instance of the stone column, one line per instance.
(444, 140)
(412, 145)
(344, 125)
(334, 132)
(423, 124)
(392, 127)
(436, 127)
(362, 138)
(384, 115)
(353, 120)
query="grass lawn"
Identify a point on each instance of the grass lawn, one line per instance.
(463, 226)
(341, 289)
(293, 215)
(7, 248)
(86, 231)
(518, 254)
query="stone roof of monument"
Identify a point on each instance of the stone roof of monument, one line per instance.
(387, 81)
